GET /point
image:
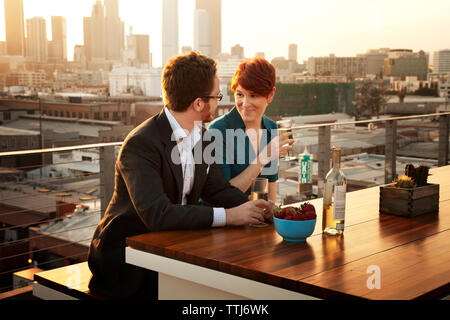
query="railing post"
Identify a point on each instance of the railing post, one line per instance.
(443, 140)
(390, 170)
(324, 156)
(107, 164)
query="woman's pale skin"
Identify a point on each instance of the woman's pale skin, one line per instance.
(251, 106)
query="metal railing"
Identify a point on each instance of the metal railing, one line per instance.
(28, 240)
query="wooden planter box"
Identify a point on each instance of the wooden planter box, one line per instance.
(409, 202)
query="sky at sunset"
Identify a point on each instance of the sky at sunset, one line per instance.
(319, 27)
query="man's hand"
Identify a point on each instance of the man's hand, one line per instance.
(250, 212)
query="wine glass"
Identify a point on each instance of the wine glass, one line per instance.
(259, 190)
(283, 127)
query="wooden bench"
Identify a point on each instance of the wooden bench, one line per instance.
(65, 283)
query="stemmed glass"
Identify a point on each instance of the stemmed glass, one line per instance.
(259, 190)
(283, 127)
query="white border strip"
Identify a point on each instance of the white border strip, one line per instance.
(215, 279)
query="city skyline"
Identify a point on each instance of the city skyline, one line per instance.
(318, 28)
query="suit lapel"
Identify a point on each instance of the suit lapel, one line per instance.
(172, 153)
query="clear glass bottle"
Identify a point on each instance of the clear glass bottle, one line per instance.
(334, 197)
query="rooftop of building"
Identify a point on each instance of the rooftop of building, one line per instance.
(86, 127)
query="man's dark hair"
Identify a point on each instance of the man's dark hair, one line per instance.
(186, 78)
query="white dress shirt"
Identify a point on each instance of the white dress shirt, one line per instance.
(186, 142)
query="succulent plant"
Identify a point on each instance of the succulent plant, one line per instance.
(404, 182)
(410, 171)
(418, 175)
(421, 175)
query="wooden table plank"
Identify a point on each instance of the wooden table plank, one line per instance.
(416, 270)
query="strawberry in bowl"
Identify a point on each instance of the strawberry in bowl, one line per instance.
(295, 224)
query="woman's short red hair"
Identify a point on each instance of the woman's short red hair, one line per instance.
(257, 75)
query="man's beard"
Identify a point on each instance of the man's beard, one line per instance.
(206, 114)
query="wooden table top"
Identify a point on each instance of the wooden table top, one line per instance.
(412, 254)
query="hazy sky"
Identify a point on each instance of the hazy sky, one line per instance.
(318, 27)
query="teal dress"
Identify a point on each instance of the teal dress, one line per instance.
(236, 152)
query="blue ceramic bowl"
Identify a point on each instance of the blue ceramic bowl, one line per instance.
(294, 231)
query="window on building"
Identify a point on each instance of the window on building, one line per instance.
(106, 115)
(74, 114)
(80, 115)
(116, 116)
(50, 112)
(67, 114)
(124, 114)
(97, 115)
(7, 115)
(86, 115)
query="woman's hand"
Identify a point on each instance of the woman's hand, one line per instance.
(276, 148)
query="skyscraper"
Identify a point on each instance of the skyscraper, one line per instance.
(202, 37)
(169, 29)
(115, 34)
(59, 39)
(214, 9)
(15, 27)
(37, 43)
(98, 31)
(292, 55)
(87, 35)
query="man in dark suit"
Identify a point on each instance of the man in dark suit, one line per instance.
(158, 183)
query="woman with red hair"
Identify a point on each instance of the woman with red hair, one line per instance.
(250, 144)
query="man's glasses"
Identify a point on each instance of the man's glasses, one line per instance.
(218, 97)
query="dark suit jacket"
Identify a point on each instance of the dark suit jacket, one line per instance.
(147, 197)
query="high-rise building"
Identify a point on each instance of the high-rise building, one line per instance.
(58, 47)
(214, 9)
(441, 61)
(115, 33)
(202, 36)
(169, 29)
(37, 43)
(140, 43)
(260, 55)
(87, 35)
(98, 32)
(14, 27)
(292, 54)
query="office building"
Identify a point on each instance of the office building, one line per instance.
(37, 43)
(202, 35)
(14, 27)
(237, 51)
(404, 62)
(336, 66)
(375, 60)
(139, 47)
(169, 29)
(115, 34)
(293, 52)
(98, 31)
(57, 50)
(214, 9)
(441, 61)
